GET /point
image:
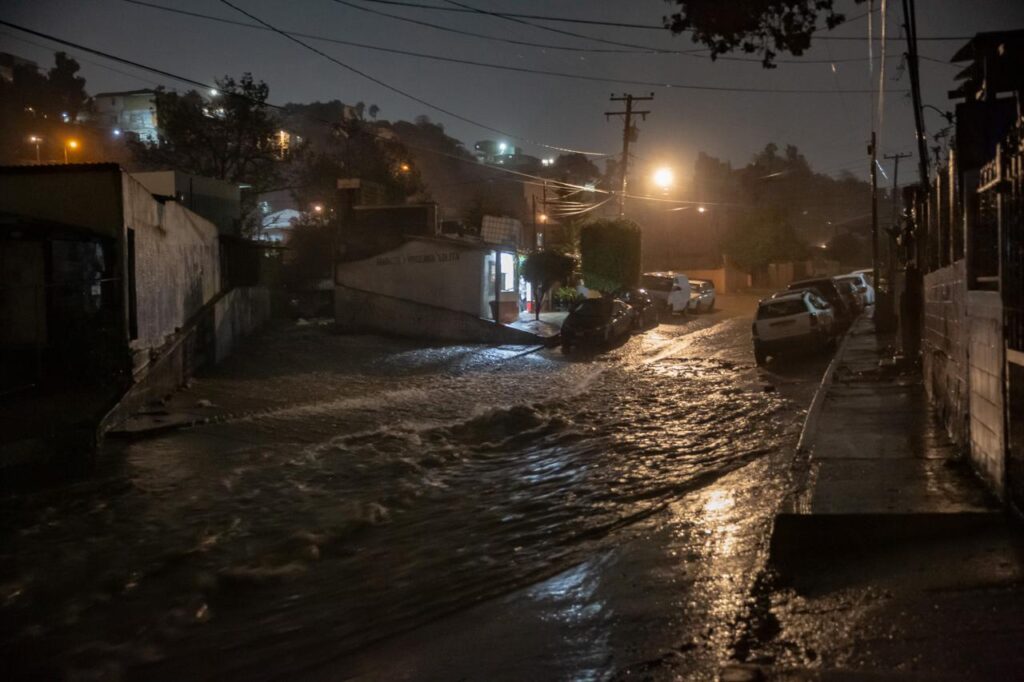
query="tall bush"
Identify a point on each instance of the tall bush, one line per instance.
(610, 254)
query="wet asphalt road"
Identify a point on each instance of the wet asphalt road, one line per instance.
(364, 508)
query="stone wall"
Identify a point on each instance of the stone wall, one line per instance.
(985, 352)
(944, 347)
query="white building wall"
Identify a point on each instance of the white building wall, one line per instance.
(177, 263)
(436, 272)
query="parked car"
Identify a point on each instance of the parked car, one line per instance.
(860, 281)
(828, 290)
(596, 320)
(645, 308)
(670, 289)
(791, 322)
(849, 292)
(702, 296)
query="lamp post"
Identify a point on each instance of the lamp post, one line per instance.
(664, 178)
(70, 144)
(35, 139)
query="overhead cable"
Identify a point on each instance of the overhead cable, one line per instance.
(404, 93)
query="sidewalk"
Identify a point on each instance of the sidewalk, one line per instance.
(890, 560)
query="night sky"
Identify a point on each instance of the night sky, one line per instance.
(830, 128)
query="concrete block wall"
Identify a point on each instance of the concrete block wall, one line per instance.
(986, 357)
(237, 314)
(944, 345)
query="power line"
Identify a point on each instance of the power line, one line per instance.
(702, 54)
(548, 17)
(525, 43)
(206, 86)
(617, 24)
(490, 65)
(524, 22)
(399, 91)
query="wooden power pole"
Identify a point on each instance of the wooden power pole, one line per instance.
(628, 133)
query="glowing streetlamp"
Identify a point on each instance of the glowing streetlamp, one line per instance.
(36, 140)
(664, 178)
(70, 144)
(702, 209)
(318, 208)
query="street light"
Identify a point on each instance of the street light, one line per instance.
(664, 178)
(70, 144)
(702, 209)
(35, 139)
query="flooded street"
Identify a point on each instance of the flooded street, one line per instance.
(362, 508)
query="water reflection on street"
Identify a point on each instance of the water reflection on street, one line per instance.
(375, 504)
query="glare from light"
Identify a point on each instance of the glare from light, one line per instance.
(543, 217)
(664, 178)
(34, 139)
(702, 209)
(117, 132)
(73, 144)
(318, 208)
(214, 92)
(502, 147)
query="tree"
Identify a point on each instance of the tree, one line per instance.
(228, 136)
(542, 269)
(610, 254)
(761, 236)
(764, 27)
(310, 255)
(44, 106)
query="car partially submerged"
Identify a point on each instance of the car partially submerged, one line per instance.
(827, 288)
(596, 321)
(702, 296)
(670, 289)
(791, 322)
(860, 282)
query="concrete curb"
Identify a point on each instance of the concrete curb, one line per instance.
(810, 426)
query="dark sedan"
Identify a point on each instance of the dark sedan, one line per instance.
(596, 320)
(645, 308)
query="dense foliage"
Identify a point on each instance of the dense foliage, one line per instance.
(44, 106)
(543, 269)
(228, 136)
(764, 27)
(610, 254)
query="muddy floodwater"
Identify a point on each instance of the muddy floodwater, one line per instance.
(363, 508)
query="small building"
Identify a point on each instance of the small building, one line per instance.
(411, 280)
(131, 111)
(109, 296)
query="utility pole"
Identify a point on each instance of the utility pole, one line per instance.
(895, 213)
(895, 182)
(628, 133)
(910, 30)
(874, 211)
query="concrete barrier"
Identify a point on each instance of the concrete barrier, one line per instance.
(365, 311)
